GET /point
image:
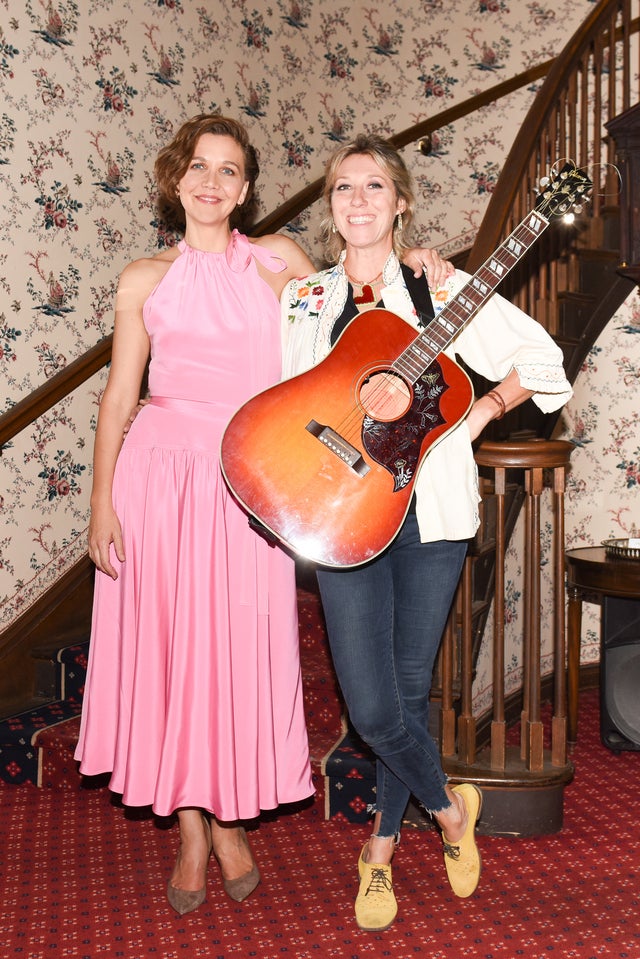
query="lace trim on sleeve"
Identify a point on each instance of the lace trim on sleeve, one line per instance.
(550, 386)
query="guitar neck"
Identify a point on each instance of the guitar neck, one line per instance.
(419, 355)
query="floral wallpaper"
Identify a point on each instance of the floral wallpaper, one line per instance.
(91, 89)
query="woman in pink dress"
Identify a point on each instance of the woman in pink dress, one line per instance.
(193, 698)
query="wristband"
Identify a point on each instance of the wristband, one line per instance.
(497, 399)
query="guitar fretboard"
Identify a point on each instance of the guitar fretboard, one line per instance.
(418, 356)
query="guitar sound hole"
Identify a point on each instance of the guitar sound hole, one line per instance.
(385, 396)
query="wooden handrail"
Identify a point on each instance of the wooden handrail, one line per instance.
(48, 394)
(502, 202)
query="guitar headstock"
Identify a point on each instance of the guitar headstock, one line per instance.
(563, 191)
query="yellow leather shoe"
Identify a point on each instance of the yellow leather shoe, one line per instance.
(462, 859)
(376, 905)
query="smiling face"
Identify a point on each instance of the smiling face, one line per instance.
(214, 182)
(365, 203)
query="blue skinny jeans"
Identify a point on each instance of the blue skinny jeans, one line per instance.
(385, 621)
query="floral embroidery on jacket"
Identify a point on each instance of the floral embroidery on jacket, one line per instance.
(309, 297)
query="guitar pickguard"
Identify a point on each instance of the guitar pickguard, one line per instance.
(396, 445)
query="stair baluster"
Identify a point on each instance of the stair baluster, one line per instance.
(531, 771)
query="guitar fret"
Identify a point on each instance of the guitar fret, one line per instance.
(432, 345)
(537, 223)
(467, 301)
(497, 268)
(482, 288)
(449, 327)
(415, 361)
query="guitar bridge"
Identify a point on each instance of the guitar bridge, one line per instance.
(339, 446)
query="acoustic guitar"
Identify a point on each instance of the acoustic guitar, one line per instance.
(327, 461)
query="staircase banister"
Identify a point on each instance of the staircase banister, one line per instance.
(502, 201)
(27, 410)
(44, 397)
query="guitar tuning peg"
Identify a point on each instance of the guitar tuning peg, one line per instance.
(544, 181)
(577, 208)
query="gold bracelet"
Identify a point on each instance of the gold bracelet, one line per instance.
(497, 399)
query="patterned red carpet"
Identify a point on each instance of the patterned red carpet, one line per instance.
(83, 878)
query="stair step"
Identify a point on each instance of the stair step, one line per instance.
(350, 784)
(574, 313)
(59, 671)
(20, 749)
(37, 744)
(597, 269)
(21, 745)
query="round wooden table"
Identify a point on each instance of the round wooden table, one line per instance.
(591, 570)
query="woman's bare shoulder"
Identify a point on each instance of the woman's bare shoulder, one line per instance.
(148, 270)
(141, 276)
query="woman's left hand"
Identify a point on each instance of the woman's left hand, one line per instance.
(438, 270)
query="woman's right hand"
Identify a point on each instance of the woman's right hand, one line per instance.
(134, 413)
(105, 529)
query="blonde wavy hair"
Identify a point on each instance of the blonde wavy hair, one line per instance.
(391, 163)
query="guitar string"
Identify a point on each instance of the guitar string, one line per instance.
(433, 339)
(350, 427)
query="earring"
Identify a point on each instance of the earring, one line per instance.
(400, 222)
(333, 227)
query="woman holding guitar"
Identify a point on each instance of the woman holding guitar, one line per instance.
(385, 617)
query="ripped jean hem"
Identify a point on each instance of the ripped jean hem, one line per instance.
(372, 810)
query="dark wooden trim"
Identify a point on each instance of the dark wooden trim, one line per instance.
(44, 397)
(48, 394)
(45, 607)
(60, 617)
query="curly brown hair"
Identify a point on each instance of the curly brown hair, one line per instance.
(391, 163)
(173, 160)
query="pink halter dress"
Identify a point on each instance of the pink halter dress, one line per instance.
(193, 694)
